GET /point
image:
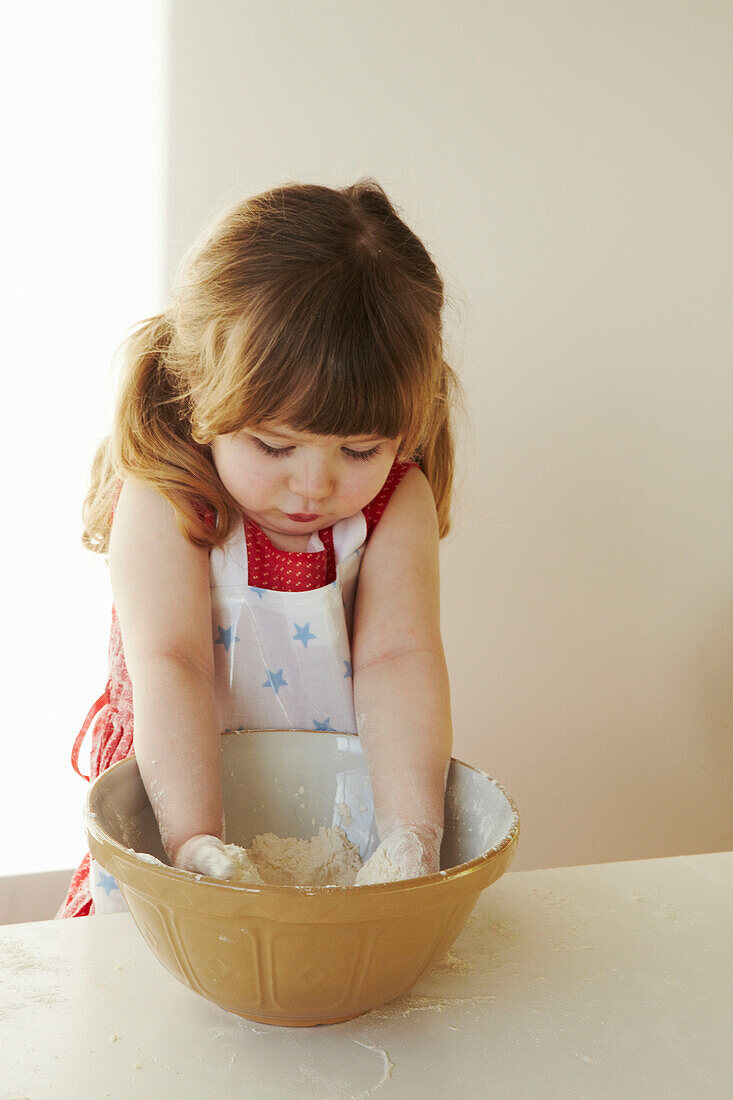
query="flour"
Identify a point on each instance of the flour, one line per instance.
(327, 859)
(344, 812)
(147, 858)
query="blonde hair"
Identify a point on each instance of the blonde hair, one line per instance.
(313, 306)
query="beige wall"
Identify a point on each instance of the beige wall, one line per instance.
(569, 166)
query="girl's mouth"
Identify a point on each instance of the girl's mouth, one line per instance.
(302, 517)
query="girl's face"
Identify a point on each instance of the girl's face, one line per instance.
(279, 476)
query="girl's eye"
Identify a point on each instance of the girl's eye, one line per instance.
(276, 452)
(363, 455)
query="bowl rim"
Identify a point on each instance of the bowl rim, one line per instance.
(91, 824)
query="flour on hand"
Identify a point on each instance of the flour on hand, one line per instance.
(378, 868)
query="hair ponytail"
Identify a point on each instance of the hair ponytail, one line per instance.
(151, 440)
(436, 456)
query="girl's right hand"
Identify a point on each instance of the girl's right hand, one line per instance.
(205, 855)
(414, 849)
(407, 851)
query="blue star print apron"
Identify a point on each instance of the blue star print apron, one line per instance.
(282, 659)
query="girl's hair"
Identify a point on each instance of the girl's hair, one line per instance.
(313, 306)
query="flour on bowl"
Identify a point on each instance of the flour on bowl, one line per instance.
(344, 812)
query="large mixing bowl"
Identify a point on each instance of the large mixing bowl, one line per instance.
(289, 954)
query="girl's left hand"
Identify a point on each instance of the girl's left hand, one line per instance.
(407, 851)
(205, 855)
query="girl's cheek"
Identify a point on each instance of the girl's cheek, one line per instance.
(258, 488)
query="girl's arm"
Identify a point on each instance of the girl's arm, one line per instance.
(401, 690)
(160, 583)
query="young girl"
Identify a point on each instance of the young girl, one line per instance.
(271, 501)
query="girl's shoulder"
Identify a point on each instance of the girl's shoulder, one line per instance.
(399, 589)
(203, 511)
(374, 509)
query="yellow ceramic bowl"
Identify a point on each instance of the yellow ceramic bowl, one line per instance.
(288, 954)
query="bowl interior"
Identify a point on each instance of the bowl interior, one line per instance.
(290, 782)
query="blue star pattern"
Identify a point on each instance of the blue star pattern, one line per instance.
(225, 637)
(275, 680)
(324, 725)
(259, 591)
(106, 882)
(303, 634)
(348, 672)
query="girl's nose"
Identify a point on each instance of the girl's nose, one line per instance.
(312, 480)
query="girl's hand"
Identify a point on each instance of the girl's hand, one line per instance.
(205, 855)
(407, 851)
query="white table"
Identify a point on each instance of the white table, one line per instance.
(604, 981)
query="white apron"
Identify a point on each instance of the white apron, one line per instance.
(282, 659)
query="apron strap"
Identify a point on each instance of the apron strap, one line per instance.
(94, 711)
(228, 563)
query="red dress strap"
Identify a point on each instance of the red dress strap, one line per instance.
(375, 508)
(93, 712)
(115, 498)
